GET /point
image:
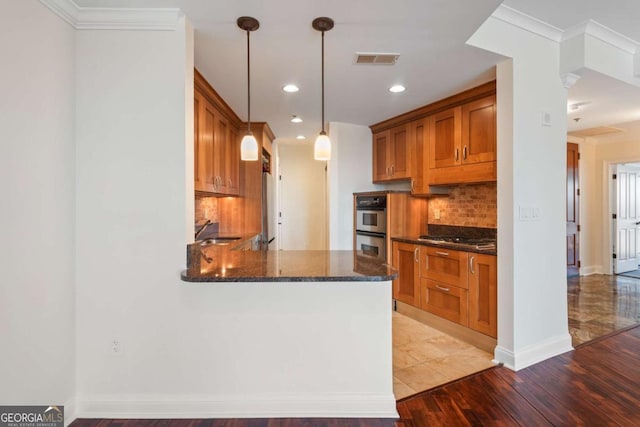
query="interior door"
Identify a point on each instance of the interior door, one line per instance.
(626, 218)
(573, 209)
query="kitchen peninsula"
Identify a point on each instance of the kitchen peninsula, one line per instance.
(312, 327)
(220, 264)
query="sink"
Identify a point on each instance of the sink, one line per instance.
(221, 240)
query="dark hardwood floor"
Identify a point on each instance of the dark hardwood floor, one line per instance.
(598, 384)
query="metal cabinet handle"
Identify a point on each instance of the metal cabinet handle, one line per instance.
(229, 182)
(388, 174)
(442, 289)
(393, 169)
(413, 184)
(464, 153)
(457, 152)
(442, 253)
(415, 254)
(471, 260)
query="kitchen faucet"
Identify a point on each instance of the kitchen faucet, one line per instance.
(201, 229)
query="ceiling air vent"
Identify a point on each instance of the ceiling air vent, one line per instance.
(377, 58)
(597, 131)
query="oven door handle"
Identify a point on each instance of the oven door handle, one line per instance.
(371, 234)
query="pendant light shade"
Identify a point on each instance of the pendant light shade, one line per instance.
(249, 144)
(322, 147)
(249, 147)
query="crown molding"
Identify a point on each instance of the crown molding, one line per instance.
(527, 23)
(605, 34)
(100, 18)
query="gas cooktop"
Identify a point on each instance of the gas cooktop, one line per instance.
(462, 242)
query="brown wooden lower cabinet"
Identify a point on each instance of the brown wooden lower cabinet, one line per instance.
(445, 300)
(456, 285)
(406, 287)
(483, 292)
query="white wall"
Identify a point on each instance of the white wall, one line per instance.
(193, 349)
(37, 294)
(350, 171)
(532, 299)
(131, 216)
(302, 198)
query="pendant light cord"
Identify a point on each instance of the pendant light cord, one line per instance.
(248, 84)
(323, 132)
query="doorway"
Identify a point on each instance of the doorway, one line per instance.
(625, 217)
(302, 198)
(573, 210)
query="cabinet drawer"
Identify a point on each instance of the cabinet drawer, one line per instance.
(444, 300)
(444, 265)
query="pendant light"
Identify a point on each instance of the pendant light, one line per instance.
(322, 147)
(249, 145)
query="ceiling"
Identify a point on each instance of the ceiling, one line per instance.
(429, 35)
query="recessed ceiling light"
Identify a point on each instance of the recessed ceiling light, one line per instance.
(397, 88)
(296, 119)
(300, 137)
(290, 88)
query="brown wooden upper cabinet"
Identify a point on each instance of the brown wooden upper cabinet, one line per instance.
(479, 131)
(419, 134)
(392, 154)
(462, 143)
(216, 144)
(463, 135)
(445, 130)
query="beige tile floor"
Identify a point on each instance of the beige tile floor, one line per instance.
(424, 357)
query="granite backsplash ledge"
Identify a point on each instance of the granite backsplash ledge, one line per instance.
(462, 231)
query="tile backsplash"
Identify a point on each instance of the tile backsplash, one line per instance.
(471, 205)
(206, 208)
(226, 211)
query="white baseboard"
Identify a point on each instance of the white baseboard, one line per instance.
(325, 405)
(592, 269)
(504, 356)
(533, 354)
(70, 411)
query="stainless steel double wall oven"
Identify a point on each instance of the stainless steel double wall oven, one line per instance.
(371, 225)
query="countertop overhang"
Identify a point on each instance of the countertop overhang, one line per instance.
(228, 265)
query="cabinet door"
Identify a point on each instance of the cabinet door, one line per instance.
(233, 162)
(400, 153)
(479, 131)
(198, 171)
(381, 143)
(406, 287)
(445, 300)
(483, 301)
(419, 134)
(444, 138)
(446, 266)
(206, 155)
(221, 150)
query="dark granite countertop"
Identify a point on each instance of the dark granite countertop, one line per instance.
(228, 265)
(415, 240)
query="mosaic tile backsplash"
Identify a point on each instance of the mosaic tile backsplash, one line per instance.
(471, 205)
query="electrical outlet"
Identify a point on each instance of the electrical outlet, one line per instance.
(116, 347)
(437, 213)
